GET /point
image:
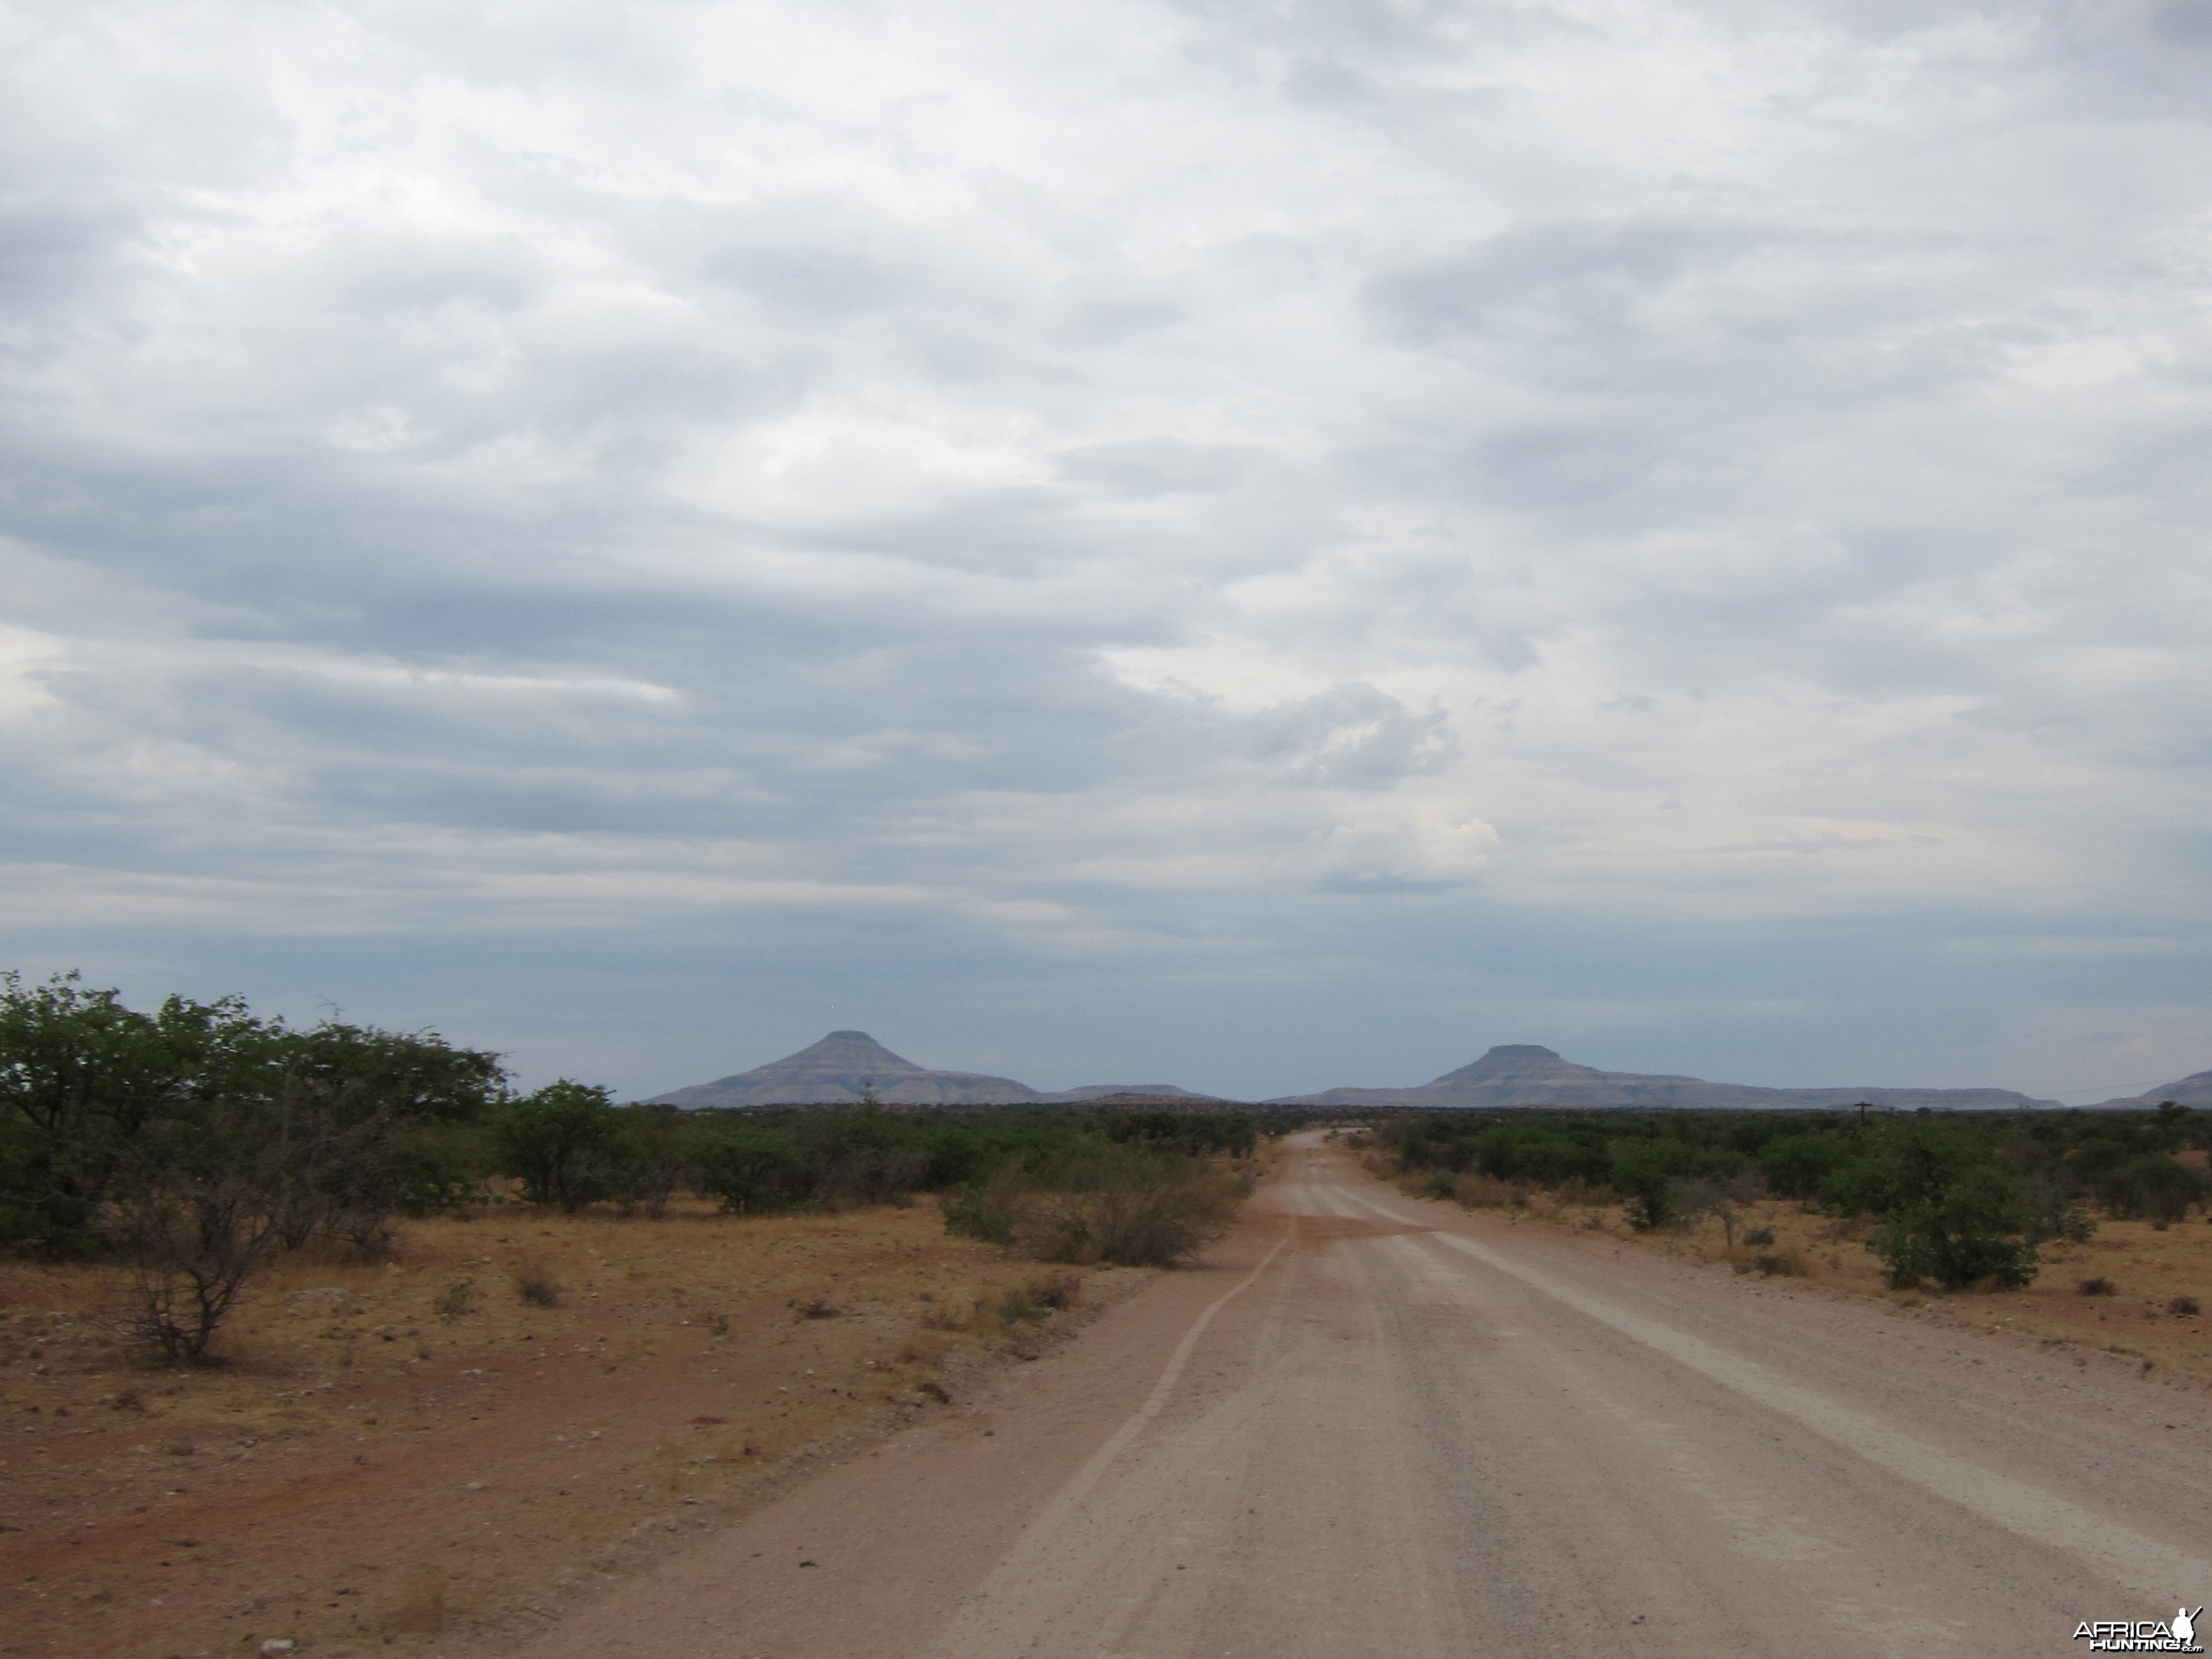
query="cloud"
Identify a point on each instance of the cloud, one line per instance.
(1247, 494)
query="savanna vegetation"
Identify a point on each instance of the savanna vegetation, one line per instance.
(1955, 1200)
(193, 1145)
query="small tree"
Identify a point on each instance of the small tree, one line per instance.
(80, 1077)
(1127, 1205)
(1691, 1200)
(752, 1169)
(198, 1210)
(1967, 1231)
(1643, 1170)
(650, 1160)
(1796, 1164)
(194, 1243)
(2152, 1185)
(558, 1142)
(863, 1156)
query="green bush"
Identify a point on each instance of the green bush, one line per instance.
(752, 1171)
(1646, 1174)
(1968, 1232)
(1128, 1205)
(2155, 1185)
(986, 1209)
(1958, 1198)
(561, 1142)
(1795, 1165)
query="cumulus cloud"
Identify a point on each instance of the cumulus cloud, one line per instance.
(1231, 493)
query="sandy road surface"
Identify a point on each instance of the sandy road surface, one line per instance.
(1374, 1425)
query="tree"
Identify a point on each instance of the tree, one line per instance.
(194, 1239)
(2153, 1184)
(1795, 1165)
(752, 1169)
(557, 1141)
(863, 1156)
(1968, 1230)
(80, 1075)
(1686, 1200)
(1643, 1170)
(650, 1160)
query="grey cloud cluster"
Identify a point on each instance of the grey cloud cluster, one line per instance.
(1206, 495)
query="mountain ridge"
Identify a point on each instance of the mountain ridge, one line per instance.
(846, 1065)
(2194, 1090)
(841, 1068)
(1529, 1075)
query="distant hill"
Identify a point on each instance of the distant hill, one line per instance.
(845, 1065)
(2194, 1090)
(1524, 1074)
(841, 1068)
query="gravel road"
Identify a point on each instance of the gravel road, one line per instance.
(1375, 1426)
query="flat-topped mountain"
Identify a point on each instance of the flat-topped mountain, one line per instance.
(845, 1065)
(841, 1068)
(1524, 1074)
(2194, 1090)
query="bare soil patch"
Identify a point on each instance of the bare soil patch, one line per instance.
(512, 1411)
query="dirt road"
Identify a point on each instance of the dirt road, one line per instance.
(1374, 1425)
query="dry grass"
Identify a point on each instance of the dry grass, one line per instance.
(1123, 1207)
(391, 1452)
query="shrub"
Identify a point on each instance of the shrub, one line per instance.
(2098, 1286)
(986, 1209)
(1969, 1230)
(1796, 1164)
(1127, 1205)
(1690, 1201)
(197, 1211)
(559, 1142)
(81, 1077)
(1059, 1291)
(456, 1300)
(1643, 1171)
(648, 1161)
(2184, 1307)
(2076, 1225)
(1027, 1303)
(752, 1171)
(1758, 1236)
(863, 1156)
(535, 1285)
(193, 1245)
(2151, 1185)
(1482, 1192)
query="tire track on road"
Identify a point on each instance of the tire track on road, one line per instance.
(2130, 1558)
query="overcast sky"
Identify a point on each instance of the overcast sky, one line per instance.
(1260, 546)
